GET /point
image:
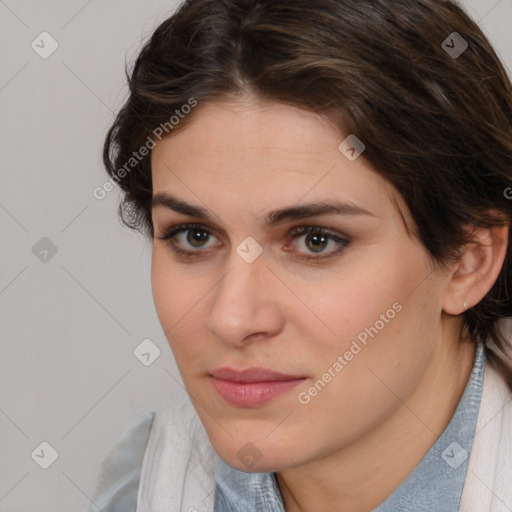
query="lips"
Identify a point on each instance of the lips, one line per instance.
(252, 375)
(252, 387)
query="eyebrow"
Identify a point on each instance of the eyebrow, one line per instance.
(274, 217)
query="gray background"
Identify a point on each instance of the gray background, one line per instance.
(71, 320)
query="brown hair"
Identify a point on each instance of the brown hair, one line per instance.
(437, 125)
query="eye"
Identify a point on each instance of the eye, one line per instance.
(187, 239)
(191, 240)
(313, 240)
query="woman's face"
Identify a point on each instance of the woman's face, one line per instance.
(350, 311)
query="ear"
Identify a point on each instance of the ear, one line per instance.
(478, 268)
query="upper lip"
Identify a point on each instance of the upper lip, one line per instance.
(252, 375)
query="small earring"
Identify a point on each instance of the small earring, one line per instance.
(465, 305)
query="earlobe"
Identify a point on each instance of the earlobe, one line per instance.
(478, 268)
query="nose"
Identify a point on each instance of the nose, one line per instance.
(246, 304)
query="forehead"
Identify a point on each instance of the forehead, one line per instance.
(256, 127)
(262, 156)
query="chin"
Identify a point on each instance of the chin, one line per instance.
(259, 456)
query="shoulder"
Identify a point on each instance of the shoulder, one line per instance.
(119, 474)
(179, 461)
(488, 485)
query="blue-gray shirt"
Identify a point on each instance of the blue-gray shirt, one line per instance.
(435, 485)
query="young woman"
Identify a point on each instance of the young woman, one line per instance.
(327, 186)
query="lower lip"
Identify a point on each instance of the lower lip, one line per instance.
(252, 394)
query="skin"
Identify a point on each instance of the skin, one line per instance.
(367, 429)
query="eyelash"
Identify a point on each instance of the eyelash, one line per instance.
(169, 238)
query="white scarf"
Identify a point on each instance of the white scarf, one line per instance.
(179, 462)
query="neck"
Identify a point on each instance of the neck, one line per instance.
(360, 476)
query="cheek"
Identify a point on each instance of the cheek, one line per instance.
(378, 314)
(358, 297)
(165, 288)
(173, 294)
(180, 302)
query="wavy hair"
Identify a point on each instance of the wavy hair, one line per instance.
(435, 115)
